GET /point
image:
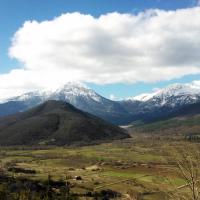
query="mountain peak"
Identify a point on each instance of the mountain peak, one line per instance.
(142, 97)
(178, 89)
(172, 90)
(71, 91)
(77, 94)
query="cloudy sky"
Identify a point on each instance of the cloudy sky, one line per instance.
(119, 48)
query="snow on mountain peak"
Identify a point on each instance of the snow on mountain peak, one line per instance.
(191, 90)
(29, 97)
(179, 89)
(141, 97)
(69, 91)
(77, 89)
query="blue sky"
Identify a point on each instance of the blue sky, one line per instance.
(13, 13)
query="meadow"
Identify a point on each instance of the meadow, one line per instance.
(141, 167)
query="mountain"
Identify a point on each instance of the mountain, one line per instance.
(56, 123)
(149, 107)
(145, 107)
(186, 111)
(174, 95)
(22, 103)
(184, 121)
(89, 101)
(78, 95)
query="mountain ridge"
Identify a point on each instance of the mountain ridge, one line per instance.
(78, 95)
(143, 107)
(149, 107)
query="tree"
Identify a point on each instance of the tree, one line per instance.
(187, 161)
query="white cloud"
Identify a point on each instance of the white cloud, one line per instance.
(151, 46)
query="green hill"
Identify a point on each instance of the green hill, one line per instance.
(56, 123)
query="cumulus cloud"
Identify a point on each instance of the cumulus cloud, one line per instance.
(151, 46)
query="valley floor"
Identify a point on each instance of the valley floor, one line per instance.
(138, 168)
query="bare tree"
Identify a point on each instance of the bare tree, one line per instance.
(187, 161)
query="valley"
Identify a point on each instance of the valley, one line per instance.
(140, 167)
(54, 151)
(100, 100)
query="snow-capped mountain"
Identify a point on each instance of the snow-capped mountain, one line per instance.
(76, 94)
(163, 101)
(142, 97)
(173, 95)
(143, 107)
(71, 92)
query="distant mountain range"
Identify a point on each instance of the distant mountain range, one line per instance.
(153, 106)
(145, 107)
(56, 123)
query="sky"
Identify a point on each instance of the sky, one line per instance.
(119, 48)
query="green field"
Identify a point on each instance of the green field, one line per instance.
(139, 166)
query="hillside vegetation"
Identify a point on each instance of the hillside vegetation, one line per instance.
(56, 123)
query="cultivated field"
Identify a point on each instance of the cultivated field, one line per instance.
(142, 167)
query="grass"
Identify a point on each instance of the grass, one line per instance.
(141, 161)
(167, 124)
